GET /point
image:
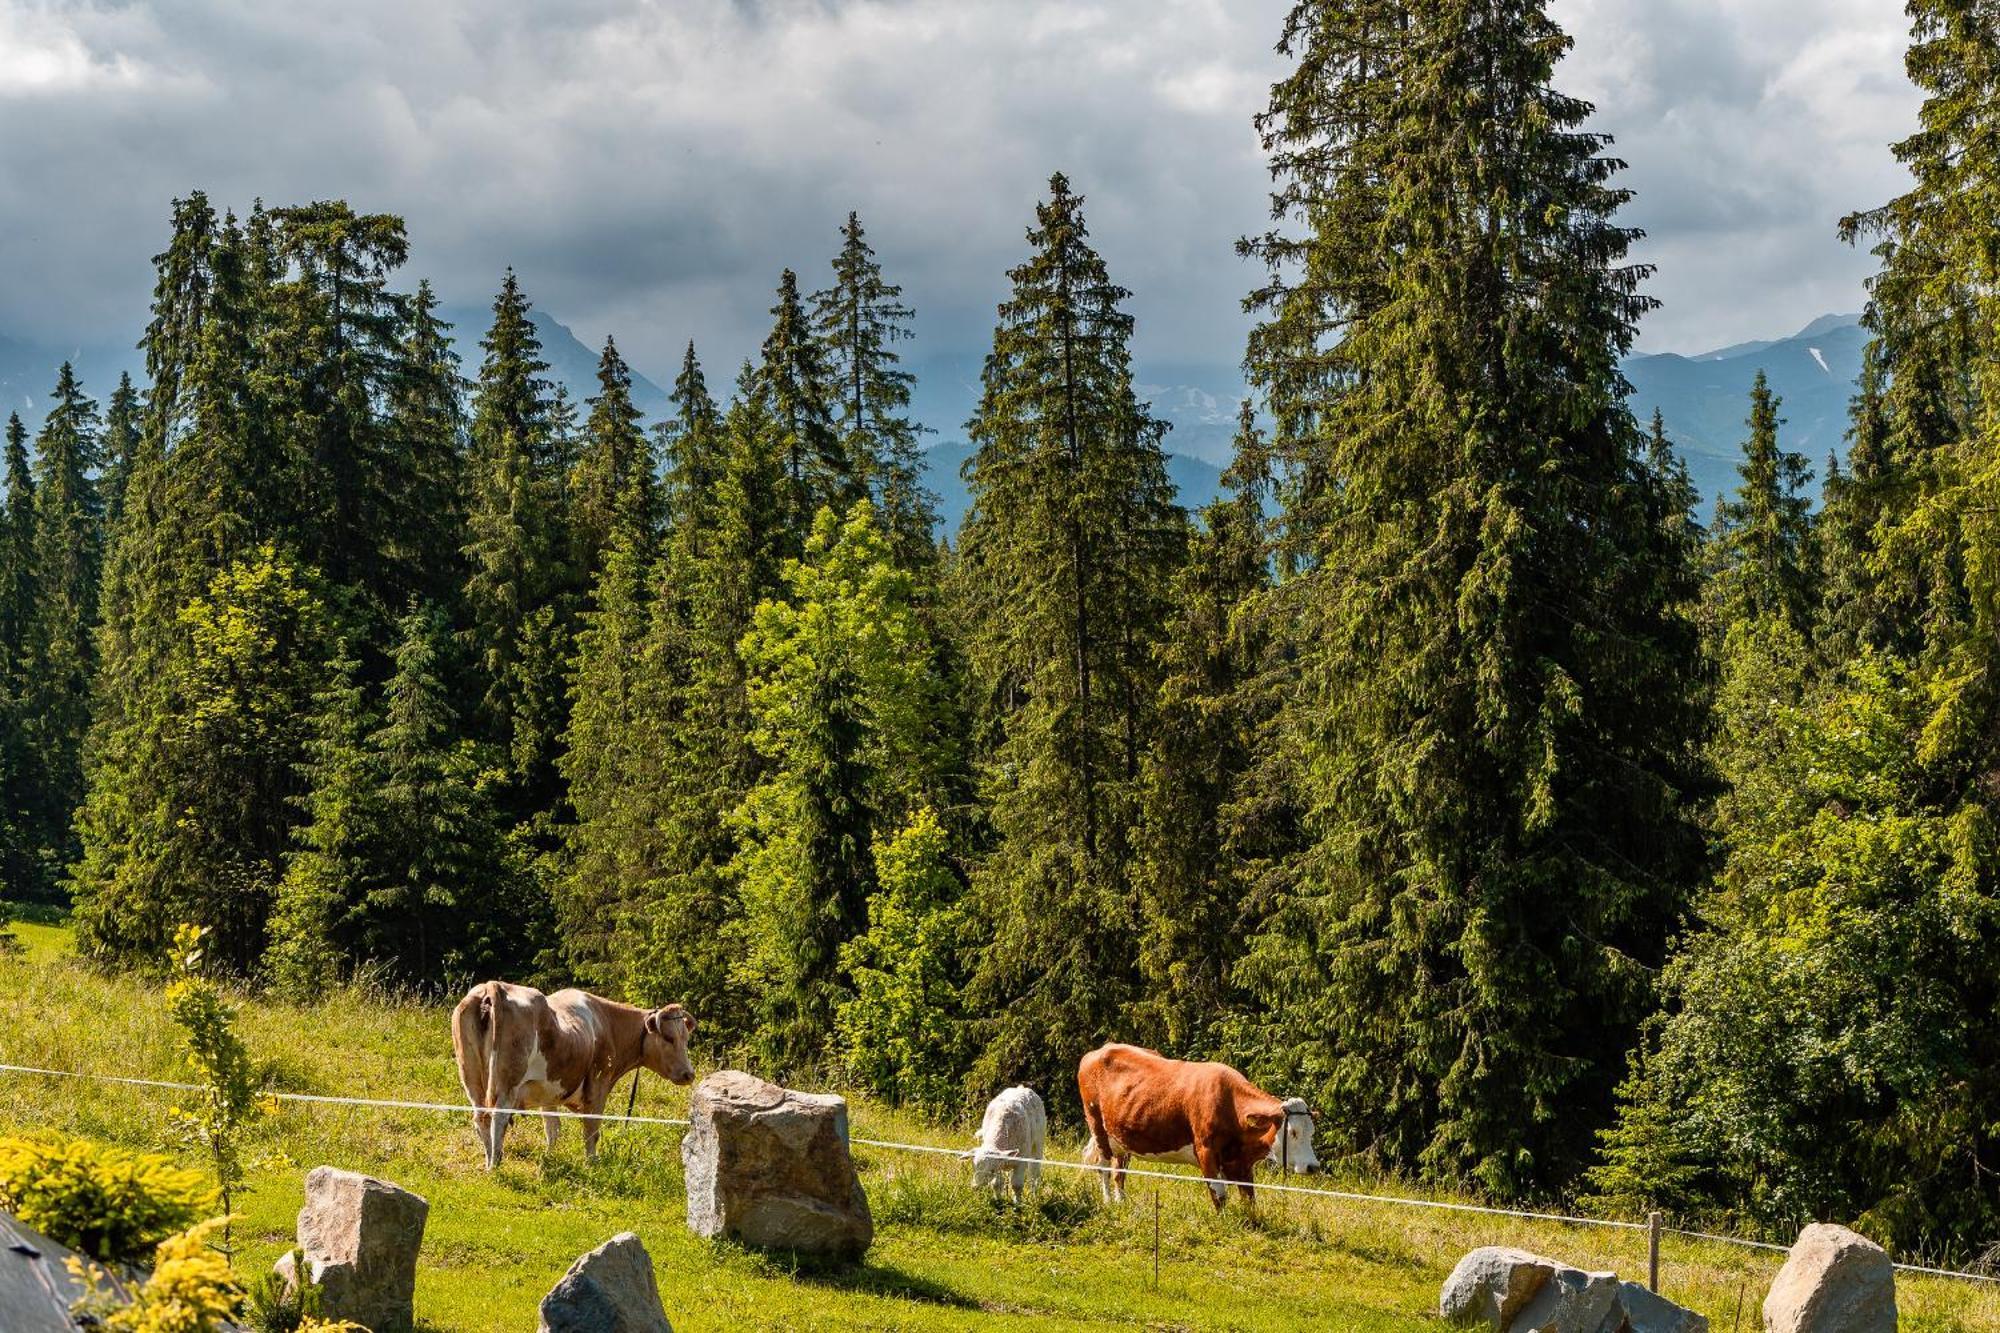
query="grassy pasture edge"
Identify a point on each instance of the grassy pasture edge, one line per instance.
(944, 1258)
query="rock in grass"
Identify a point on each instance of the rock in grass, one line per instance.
(1493, 1284)
(770, 1167)
(360, 1237)
(1645, 1312)
(1834, 1281)
(609, 1290)
(1514, 1291)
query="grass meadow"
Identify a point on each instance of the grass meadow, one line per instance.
(944, 1256)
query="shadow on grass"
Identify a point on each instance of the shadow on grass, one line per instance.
(866, 1279)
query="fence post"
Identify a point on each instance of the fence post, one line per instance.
(1653, 1253)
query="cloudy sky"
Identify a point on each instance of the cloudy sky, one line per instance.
(650, 165)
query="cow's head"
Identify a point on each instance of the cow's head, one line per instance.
(664, 1046)
(987, 1163)
(1292, 1147)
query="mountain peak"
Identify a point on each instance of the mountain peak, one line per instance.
(1827, 324)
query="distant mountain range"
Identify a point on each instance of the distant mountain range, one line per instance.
(1704, 397)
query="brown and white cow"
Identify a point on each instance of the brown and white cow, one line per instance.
(1139, 1103)
(518, 1048)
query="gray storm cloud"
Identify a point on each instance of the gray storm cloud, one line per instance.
(650, 167)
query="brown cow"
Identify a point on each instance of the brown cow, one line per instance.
(517, 1047)
(1139, 1103)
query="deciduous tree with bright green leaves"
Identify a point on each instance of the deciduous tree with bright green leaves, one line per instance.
(846, 709)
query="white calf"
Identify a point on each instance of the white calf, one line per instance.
(1013, 1138)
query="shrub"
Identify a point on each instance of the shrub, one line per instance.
(108, 1203)
(190, 1289)
(215, 1117)
(277, 1306)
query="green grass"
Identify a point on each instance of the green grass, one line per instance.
(944, 1257)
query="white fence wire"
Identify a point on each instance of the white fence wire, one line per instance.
(1349, 1196)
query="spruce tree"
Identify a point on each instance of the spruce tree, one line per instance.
(17, 549)
(121, 443)
(425, 430)
(859, 320)
(68, 558)
(517, 594)
(21, 870)
(1065, 559)
(615, 468)
(692, 443)
(793, 392)
(1763, 535)
(1197, 842)
(451, 899)
(313, 915)
(337, 344)
(612, 742)
(1494, 684)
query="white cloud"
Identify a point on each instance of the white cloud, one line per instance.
(650, 166)
(45, 52)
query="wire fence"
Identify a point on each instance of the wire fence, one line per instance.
(1100, 1170)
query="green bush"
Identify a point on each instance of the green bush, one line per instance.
(108, 1203)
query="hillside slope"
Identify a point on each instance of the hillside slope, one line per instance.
(944, 1257)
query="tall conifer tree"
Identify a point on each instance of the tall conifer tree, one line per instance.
(1065, 559)
(68, 556)
(121, 443)
(425, 426)
(794, 394)
(859, 320)
(615, 468)
(1495, 684)
(1764, 532)
(518, 591)
(17, 548)
(21, 871)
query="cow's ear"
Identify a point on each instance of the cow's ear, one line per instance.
(653, 1023)
(1256, 1121)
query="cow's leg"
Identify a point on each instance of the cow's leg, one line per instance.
(1020, 1178)
(551, 1126)
(1098, 1155)
(591, 1128)
(496, 1129)
(1245, 1175)
(1212, 1170)
(1118, 1163)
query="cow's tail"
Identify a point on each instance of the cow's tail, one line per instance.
(472, 1041)
(1097, 1149)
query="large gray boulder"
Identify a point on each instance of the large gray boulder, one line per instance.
(1514, 1291)
(1493, 1284)
(1834, 1281)
(359, 1237)
(770, 1167)
(609, 1290)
